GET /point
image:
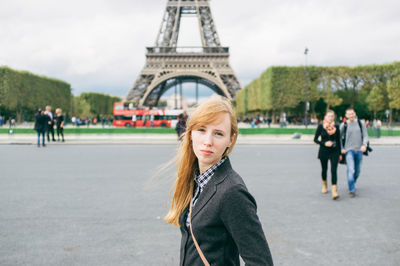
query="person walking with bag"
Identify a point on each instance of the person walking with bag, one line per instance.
(328, 138)
(216, 213)
(354, 143)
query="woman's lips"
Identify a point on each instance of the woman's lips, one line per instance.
(206, 152)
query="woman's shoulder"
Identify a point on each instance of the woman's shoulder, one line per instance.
(231, 178)
(233, 184)
(234, 193)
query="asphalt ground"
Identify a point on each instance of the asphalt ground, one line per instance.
(104, 204)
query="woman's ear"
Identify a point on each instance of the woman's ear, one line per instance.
(231, 140)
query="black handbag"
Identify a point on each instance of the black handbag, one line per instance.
(343, 161)
(369, 149)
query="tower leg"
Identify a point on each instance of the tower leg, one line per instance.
(180, 93)
(176, 94)
(197, 91)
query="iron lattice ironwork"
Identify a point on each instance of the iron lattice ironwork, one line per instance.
(167, 64)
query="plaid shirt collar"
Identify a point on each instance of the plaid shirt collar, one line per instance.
(202, 180)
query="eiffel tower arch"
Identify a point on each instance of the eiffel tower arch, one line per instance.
(168, 65)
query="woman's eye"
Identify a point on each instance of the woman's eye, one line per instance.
(219, 134)
(201, 130)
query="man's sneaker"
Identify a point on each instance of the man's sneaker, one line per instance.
(352, 194)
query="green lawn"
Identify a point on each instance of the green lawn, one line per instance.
(244, 131)
(85, 130)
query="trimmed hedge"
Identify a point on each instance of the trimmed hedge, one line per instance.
(22, 93)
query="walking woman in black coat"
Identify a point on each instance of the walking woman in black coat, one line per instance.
(328, 138)
(40, 126)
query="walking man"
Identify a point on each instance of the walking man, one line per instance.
(354, 144)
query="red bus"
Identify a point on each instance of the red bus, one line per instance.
(125, 115)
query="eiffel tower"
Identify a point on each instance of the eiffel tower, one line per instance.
(168, 65)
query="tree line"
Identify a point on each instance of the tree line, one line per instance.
(370, 89)
(23, 93)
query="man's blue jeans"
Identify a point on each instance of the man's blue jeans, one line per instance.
(38, 138)
(354, 162)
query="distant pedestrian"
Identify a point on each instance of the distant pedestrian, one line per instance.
(328, 138)
(50, 127)
(12, 123)
(181, 125)
(378, 128)
(216, 213)
(269, 121)
(134, 120)
(60, 124)
(103, 121)
(354, 143)
(152, 121)
(73, 120)
(40, 126)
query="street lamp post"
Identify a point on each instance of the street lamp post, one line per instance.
(305, 90)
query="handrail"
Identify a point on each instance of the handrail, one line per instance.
(187, 49)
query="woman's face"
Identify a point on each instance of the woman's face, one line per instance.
(211, 140)
(329, 117)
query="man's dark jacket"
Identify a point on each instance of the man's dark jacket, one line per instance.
(41, 122)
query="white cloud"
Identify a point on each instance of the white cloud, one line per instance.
(100, 45)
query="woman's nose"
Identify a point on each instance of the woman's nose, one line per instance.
(207, 139)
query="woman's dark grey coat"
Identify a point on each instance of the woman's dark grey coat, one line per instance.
(225, 224)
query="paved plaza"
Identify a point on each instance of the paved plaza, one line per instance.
(104, 204)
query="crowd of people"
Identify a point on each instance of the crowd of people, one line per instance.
(87, 121)
(44, 125)
(11, 121)
(283, 121)
(345, 144)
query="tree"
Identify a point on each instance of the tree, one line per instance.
(22, 93)
(282, 88)
(100, 103)
(80, 107)
(394, 95)
(376, 100)
(327, 90)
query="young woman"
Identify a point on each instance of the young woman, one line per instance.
(60, 124)
(329, 150)
(211, 204)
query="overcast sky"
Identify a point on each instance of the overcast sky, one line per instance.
(99, 45)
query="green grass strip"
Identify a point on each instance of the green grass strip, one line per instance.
(83, 130)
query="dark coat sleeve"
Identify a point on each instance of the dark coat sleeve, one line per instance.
(338, 140)
(318, 134)
(36, 126)
(239, 215)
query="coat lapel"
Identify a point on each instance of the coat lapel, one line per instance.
(211, 188)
